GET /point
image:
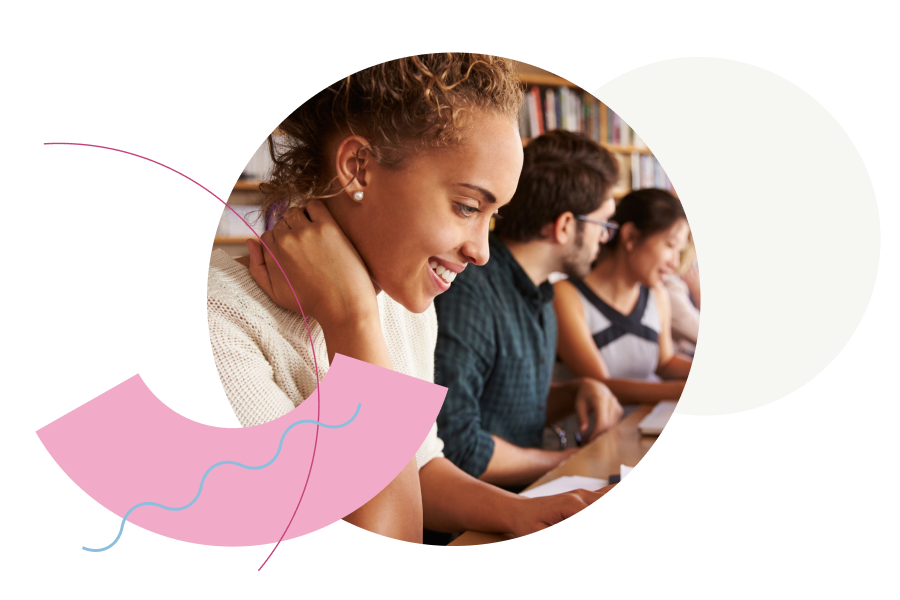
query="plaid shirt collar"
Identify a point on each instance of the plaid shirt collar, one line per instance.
(536, 296)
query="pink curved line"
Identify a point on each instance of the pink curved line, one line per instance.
(297, 300)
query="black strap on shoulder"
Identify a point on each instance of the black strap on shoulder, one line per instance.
(619, 323)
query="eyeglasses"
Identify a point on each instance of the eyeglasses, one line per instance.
(609, 227)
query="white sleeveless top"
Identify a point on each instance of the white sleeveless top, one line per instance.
(628, 343)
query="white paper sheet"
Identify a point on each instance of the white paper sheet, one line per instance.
(563, 484)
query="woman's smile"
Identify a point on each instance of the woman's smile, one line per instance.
(442, 272)
(442, 284)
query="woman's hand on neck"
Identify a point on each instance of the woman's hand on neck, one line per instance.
(313, 269)
(245, 260)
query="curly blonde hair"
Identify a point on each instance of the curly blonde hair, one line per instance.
(401, 107)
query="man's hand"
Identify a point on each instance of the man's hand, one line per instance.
(534, 514)
(594, 397)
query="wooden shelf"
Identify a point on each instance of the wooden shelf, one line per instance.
(614, 148)
(232, 240)
(246, 185)
(626, 149)
(542, 79)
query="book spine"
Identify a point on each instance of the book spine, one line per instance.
(550, 109)
(573, 113)
(533, 115)
(524, 120)
(617, 129)
(635, 171)
(586, 125)
(637, 141)
(603, 135)
(561, 109)
(610, 125)
(558, 107)
(624, 183)
(536, 94)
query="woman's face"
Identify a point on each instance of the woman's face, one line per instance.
(433, 212)
(659, 254)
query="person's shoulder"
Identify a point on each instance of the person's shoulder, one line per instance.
(565, 286)
(232, 293)
(470, 301)
(225, 272)
(469, 285)
(473, 276)
(565, 293)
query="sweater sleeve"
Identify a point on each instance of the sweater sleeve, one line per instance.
(430, 449)
(245, 373)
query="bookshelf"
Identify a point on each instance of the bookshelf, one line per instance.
(246, 192)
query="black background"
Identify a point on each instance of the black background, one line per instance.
(113, 265)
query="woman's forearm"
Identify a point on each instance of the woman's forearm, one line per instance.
(677, 367)
(396, 512)
(453, 501)
(636, 391)
(359, 338)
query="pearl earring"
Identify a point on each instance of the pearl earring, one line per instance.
(358, 196)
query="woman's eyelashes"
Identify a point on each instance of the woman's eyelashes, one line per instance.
(465, 210)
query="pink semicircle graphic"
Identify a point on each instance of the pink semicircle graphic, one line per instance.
(126, 447)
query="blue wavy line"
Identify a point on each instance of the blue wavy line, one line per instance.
(224, 462)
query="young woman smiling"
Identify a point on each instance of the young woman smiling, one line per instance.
(615, 324)
(385, 184)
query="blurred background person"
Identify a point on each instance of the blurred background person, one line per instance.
(615, 324)
(684, 296)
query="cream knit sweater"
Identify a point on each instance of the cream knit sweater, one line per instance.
(263, 355)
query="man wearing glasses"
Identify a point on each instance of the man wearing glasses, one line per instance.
(496, 326)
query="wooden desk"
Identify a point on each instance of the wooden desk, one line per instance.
(600, 458)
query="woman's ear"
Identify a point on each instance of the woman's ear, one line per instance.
(351, 160)
(629, 236)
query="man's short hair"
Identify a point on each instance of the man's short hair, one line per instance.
(563, 171)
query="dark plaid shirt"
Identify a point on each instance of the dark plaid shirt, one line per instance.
(495, 351)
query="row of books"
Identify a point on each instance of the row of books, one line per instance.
(638, 171)
(646, 172)
(549, 108)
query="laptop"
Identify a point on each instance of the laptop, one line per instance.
(654, 422)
